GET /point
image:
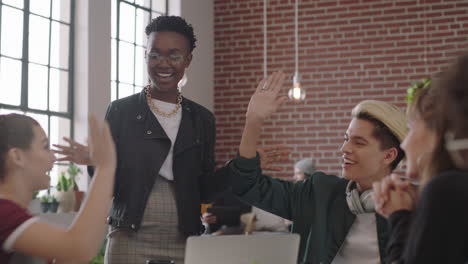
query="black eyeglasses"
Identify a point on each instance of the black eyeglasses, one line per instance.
(173, 59)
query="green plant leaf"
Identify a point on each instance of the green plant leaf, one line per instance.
(415, 87)
(63, 183)
(45, 198)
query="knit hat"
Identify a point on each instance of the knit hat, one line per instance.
(390, 115)
(306, 165)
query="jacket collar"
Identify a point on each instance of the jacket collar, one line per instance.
(154, 130)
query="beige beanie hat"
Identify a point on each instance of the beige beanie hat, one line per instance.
(390, 115)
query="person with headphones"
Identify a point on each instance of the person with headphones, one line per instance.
(334, 216)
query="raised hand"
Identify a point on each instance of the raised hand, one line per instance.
(75, 152)
(265, 100)
(101, 145)
(262, 104)
(270, 155)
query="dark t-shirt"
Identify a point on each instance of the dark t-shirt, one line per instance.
(13, 221)
(437, 232)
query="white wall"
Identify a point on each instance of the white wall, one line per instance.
(200, 85)
(92, 66)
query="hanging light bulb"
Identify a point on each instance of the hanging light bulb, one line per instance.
(296, 93)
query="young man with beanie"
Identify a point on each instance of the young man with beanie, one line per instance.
(303, 169)
(334, 215)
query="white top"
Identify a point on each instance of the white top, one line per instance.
(171, 127)
(361, 244)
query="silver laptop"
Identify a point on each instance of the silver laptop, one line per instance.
(269, 248)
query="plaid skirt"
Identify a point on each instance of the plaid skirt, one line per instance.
(157, 238)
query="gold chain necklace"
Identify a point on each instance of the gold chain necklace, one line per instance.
(155, 109)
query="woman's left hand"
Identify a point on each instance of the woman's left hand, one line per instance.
(392, 194)
(398, 200)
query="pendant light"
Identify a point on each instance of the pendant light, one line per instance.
(296, 93)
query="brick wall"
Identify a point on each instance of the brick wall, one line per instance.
(348, 51)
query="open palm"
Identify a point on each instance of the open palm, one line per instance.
(265, 100)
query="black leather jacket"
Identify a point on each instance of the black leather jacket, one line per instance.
(142, 146)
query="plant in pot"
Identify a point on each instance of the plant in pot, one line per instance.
(65, 194)
(74, 172)
(45, 203)
(53, 205)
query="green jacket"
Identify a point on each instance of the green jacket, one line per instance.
(317, 206)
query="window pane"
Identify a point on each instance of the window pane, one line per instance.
(113, 91)
(9, 111)
(40, 7)
(114, 17)
(38, 39)
(145, 3)
(17, 3)
(54, 176)
(125, 90)
(155, 15)
(140, 67)
(59, 45)
(43, 120)
(159, 6)
(58, 91)
(127, 22)
(37, 87)
(113, 59)
(12, 45)
(61, 10)
(10, 81)
(142, 18)
(126, 62)
(59, 128)
(138, 89)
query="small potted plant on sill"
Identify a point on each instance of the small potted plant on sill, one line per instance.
(74, 172)
(65, 194)
(45, 203)
(53, 205)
